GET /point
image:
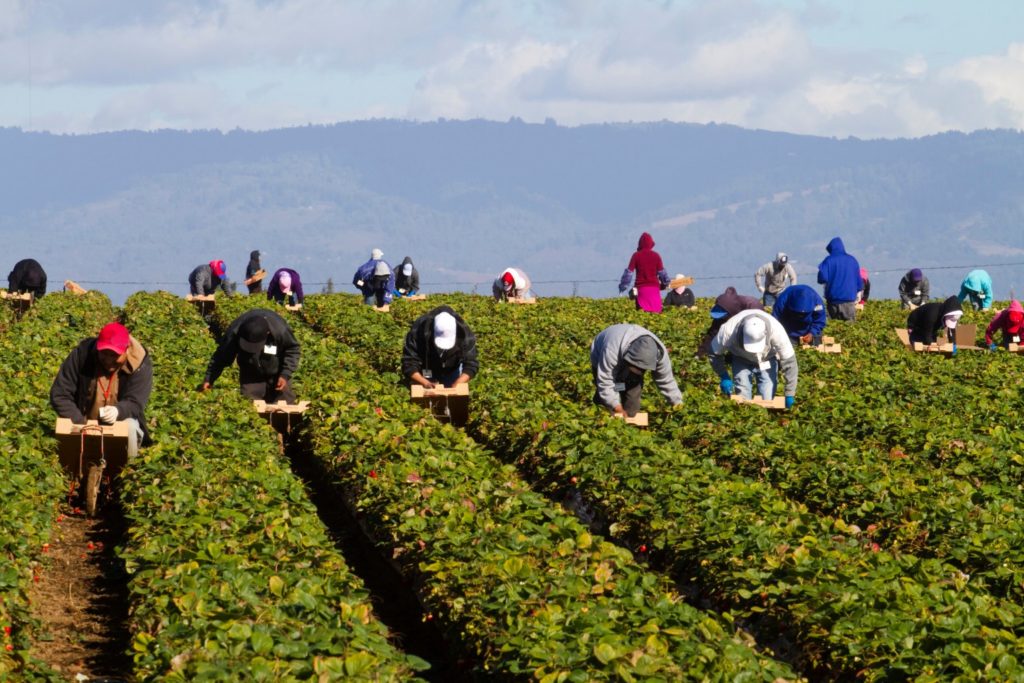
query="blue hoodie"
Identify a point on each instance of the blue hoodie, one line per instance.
(840, 273)
(800, 310)
(978, 286)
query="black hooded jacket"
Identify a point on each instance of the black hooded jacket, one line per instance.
(419, 351)
(257, 367)
(253, 268)
(732, 302)
(409, 283)
(27, 276)
(925, 321)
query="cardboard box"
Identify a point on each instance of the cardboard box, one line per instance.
(967, 337)
(904, 337)
(680, 281)
(19, 302)
(449, 405)
(206, 303)
(382, 309)
(256, 277)
(519, 300)
(640, 419)
(416, 297)
(80, 445)
(296, 307)
(283, 417)
(777, 403)
(828, 345)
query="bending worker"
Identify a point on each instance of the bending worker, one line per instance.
(407, 279)
(511, 284)
(976, 289)
(286, 287)
(802, 312)
(107, 378)
(619, 357)
(758, 346)
(1010, 322)
(375, 280)
(267, 354)
(207, 277)
(914, 289)
(27, 276)
(773, 277)
(439, 349)
(925, 322)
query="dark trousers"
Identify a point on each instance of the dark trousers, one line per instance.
(630, 398)
(264, 390)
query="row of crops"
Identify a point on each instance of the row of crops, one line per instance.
(759, 536)
(871, 533)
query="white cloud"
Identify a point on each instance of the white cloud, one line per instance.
(999, 78)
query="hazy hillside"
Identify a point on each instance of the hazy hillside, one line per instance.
(467, 198)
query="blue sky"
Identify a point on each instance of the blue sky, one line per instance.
(866, 68)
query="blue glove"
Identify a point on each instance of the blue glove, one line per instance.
(992, 347)
(954, 349)
(726, 386)
(790, 400)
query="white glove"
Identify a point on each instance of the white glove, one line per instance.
(108, 414)
(359, 283)
(401, 291)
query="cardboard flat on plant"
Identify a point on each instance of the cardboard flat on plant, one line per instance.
(827, 345)
(15, 296)
(74, 288)
(256, 277)
(415, 297)
(1015, 348)
(967, 337)
(640, 419)
(79, 445)
(777, 403)
(520, 300)
(904, 336)
(447, 404)
(296, 307)
(264, 408)
(680, 281)
(382, 309)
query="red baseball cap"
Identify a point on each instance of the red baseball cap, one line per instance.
(113, 337)
(218, 268)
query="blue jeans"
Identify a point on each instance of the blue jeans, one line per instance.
(744, 373)
(768, 299)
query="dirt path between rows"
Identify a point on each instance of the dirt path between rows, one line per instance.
(81, 598)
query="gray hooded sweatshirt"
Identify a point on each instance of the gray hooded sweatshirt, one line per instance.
(772, 276)
(608, 366)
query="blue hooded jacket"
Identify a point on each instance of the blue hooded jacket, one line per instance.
(800, 310)
(840, 273)
(978, 286)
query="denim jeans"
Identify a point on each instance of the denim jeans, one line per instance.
(745, 372)
(768, 299)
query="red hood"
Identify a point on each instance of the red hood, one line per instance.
(646, 242)
(1015, 311)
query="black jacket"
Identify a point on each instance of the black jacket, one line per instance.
(74, 389)
(925, 322)
(419, 351)
(27, 276)
(254, 367)
(251, 269)
(685, 299)
(407, 282)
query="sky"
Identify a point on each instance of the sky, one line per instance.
(864, 68)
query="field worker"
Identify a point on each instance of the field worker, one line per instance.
(976, 288)
(619, 357)
(758, 346)
(511, 284)
(286, 287)
(914, 289)
(865, 290)
(1010, 322)
(27, 276)
(728, 304)
(651, 276)
(107, 378)
(840, 273)
(681, 295)
(407, 279)
(773, 277)
(206, 278)
(439, 350)
(925, 322)
(802, 312)
(267, 354)
(368, 286)
(251, 269)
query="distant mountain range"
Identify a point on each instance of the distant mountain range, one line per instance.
(466, 199)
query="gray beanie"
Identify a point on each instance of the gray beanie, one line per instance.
(643, 353)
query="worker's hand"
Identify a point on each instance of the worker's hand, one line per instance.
(726, 386)
(619, 410)
(461, 379)
(205, 386)
(790, 400)
(806, 339)
(281, 385)
(108, 415)
(992, 346)
(359, 283)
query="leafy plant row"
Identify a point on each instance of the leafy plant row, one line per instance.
(31, 482)
(851, 608)
(233, 575)
(518, 584)
(908, 502)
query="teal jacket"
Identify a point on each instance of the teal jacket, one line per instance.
(978, 287)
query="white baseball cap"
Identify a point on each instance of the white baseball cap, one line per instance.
(755, 333)
(444, 330)
(376, 254)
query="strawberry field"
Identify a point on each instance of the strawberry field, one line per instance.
(873, 532)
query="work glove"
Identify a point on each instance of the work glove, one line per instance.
(992, 346)
(108, 414)
(954, 349)
(790, 400)
(726, 386)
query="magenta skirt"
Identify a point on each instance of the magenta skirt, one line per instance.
(648, 298)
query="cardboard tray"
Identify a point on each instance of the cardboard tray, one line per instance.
(282, 416)
(296, 307)
(447, 404)
(965, 335)
(640, 419)
(382, 309)
(777, 403)
(828, 345)
(680, 281)
(256, 277)
(74, 288)
(519, 300)
(108, 441)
